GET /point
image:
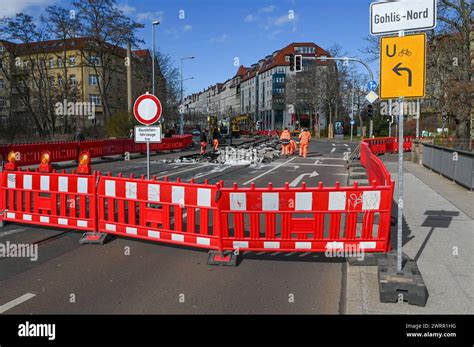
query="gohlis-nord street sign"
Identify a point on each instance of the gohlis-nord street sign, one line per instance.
(403, 66)
(407, 15)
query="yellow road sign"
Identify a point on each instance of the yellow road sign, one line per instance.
(403, 66)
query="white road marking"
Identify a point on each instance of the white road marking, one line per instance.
(333, 150)
(6, 233)
(16, 302)
(297, 180)
(346, 145)
(333, 144)
(178, 172)
(266, 172)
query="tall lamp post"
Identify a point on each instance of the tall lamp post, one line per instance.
(155, 23)
(181, 116)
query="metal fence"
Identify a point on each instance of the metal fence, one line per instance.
(457, 165)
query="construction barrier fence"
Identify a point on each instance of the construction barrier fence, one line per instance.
(382, 145)
(30, 153)
(210, 216)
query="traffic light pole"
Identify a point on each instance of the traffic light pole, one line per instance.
(369, 70)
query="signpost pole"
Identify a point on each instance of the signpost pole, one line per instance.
(417, 118)
(391, 118)
(148, 160)
(400, 180)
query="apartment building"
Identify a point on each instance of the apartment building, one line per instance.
(258, 90)
(68, 71)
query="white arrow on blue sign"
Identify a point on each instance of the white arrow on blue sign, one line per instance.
(372, 85)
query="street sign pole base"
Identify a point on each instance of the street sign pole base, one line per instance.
(406, 285)
(91, 238)
(226, 258)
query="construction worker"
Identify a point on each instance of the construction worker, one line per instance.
(215, 139)
(292, 147)
(285, 138)
(305, 137)
(203, 143)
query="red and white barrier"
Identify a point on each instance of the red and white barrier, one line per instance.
(49, 199)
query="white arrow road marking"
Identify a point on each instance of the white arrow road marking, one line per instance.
(267, 172)
(317, 162)
(333, 144)
(178, 172)
(217, 169)
(346, 145)
(333, 150)
(297, 180)
(16, 302)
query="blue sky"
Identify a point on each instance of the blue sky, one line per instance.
(218, 31)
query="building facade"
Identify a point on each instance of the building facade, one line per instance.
(258, 91)
(39, 75)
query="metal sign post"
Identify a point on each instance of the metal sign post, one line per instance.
(400, 181)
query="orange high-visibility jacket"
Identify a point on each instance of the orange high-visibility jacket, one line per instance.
(305, 136)
(285, 135)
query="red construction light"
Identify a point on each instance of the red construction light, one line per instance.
(12, 164)
(45, 165)
(84, 163)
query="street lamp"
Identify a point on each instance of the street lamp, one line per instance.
(153, 24)
(181, 125)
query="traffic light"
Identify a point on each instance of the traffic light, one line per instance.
(370, 111)
(292, 62)
(298, 63)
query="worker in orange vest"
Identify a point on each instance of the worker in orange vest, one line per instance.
(203, 143)
(305, 137)
(292, 147)
(215, 139)
(285, 138)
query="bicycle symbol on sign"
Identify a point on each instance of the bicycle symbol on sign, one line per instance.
(403, 52)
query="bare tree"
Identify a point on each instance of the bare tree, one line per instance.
(107, 30)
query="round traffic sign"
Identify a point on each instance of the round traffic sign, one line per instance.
(372, 85)
(147, 109)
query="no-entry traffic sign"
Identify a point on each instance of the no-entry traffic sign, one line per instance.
(402, 66)
(147, 109)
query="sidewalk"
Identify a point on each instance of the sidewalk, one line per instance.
(440, 235)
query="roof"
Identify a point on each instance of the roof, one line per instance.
(53, 46)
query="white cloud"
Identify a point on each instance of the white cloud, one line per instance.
(250, 18)
(267, 9)
(283, 20)
(187, 27)
(219, 39)
(145, 17)
(12, 7)
(127, 9)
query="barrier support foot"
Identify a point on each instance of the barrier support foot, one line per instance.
(91, 238)
(406, 285)
(227, 258)
(2, 223)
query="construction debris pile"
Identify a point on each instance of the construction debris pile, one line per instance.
(254, 153)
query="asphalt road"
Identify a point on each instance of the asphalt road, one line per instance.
(137, 277)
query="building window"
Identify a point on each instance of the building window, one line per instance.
(3, 102)
(72, 61)
(95, 99)
(60, 81)
(51, 63)
(51, 81)
(92, 80)
(94, 60)
(2, 81)
(72, 80)
(60, 62)
(2, 49)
